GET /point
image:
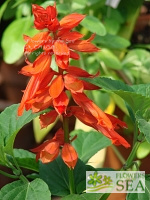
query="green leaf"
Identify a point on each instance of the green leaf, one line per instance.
(143, 125)
(10, 124)
(3, 8)
(109, 59)
(135, 100)
(136, 65)
(143, 150)
(94, 25)
(86, 196)
(12, 39)
(63, 8)
(55, 174)
(18, 190)
(96, 141)
(26, 159)
(112, 41)
(141, 196)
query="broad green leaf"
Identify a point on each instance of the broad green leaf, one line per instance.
(35, 190)
(55, 174)
(10, 124)
(141, 196)
(26, 159)
(95, 140)
(143, 125)
(94, 25)
(143, 89)
(109, 59)
(12, 40)
(112, 41)
(135, 100)
(8, 12)
(86, 196)
(3, 8)
(143, 150)
(136, 65)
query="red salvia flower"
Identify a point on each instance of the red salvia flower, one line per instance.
(49, 89)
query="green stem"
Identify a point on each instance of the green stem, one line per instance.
(131, 157)
(8, 175)
(66, 138)
(23, 178)
(118, 154)
(71, 181)
(66, 129)
(135, 133)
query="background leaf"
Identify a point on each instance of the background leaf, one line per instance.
(94, 25)
(95, 140)
(12, 40)
(86, 196)
(8, 133)
(141, 196)
(109, 59)
(112, 41)
(18, 190)
(26, 159)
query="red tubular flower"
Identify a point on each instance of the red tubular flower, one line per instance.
(45, 18)
(69, 155)
(47, 88)
(88, 119)
(49, 150)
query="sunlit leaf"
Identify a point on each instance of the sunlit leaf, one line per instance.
(95, 140)
(94, 25)
(18, 190)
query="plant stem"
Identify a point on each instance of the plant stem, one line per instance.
(117, 152)
(66, 138)
(23, 178)
(66, 129)
(131, 157)
(8, 175)
(71, 181)
(135, 133)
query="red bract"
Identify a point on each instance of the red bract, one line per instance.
(45, 18)
(51, 89)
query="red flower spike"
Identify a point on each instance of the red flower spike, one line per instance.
(56, 87)
(36, 42)
(74, 55)
(88, 119)
(73, 84)
(61, 102)
(34, 85)
(62, 54)
(69, 37)
(71, 21)
(69, 155)
(117, 123)
(42, 101)
(45, 18)
(50, 152)
(59, 136)
(48, 118)
(80, 72)
(83, 46)
(86, 104)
